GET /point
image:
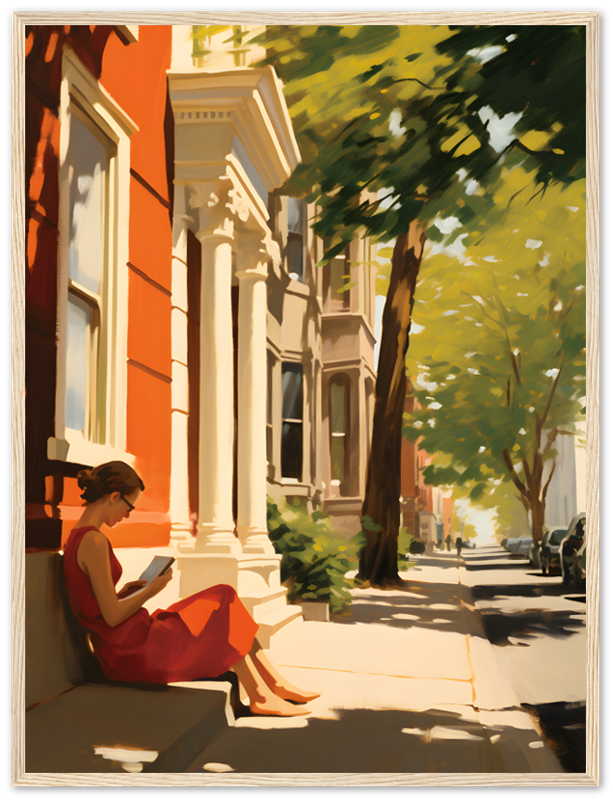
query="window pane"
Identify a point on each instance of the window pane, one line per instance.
(337, 399)
(79, 320)
(291, 450)
(295, 215)
(88, 159)
(337, 456)
(294, 256)
(338, 298)
(292, 391)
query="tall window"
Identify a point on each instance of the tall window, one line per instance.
(339, 428)
(88, 158)
(336, 277)
(292, 433)
(295, 238)
(93, 254)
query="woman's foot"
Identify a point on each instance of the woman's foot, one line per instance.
(289, 692)
(276, 707)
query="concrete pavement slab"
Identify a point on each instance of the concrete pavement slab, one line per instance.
(409, 683)
(376, 649)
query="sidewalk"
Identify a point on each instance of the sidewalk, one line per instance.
(409, 684)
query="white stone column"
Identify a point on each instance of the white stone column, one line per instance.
(180, 525)
(252, 377)
(215, 452)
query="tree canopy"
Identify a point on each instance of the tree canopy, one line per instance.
(400, 110)
(394, 125)
(501, 357)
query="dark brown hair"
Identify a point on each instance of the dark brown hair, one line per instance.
(114, 476)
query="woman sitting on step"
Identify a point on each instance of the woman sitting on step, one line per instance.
(201, 636)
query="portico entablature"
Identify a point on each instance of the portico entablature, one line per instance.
(235, 119)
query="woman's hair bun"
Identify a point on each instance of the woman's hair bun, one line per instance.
(114, 476)
(92, 484)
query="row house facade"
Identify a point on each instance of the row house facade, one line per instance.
(176, 318)
(425, 510)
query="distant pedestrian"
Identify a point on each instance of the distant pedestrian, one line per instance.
(448, 541)
(458, 545)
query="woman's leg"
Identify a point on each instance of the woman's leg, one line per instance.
(261, 699)
(274, 680)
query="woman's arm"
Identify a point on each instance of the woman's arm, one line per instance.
(93, 556)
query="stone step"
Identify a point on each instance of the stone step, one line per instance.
(123, 728)
(261, 603)
(275, 620)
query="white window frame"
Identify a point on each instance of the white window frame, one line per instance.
(79, 87)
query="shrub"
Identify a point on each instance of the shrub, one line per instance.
(315, 559)
(405, 544)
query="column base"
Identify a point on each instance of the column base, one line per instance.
(216, 540)
(181, 534)
(198, 571)
(255, 541)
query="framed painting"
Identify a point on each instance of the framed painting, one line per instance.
(305, 318)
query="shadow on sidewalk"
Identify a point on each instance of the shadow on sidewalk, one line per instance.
(435, 606)
(365, 741)
(529, 625)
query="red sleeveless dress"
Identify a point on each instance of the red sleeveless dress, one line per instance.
(201, 636)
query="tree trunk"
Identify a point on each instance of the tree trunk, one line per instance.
(538, 519)
(378, 560)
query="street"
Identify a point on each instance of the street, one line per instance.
(537, 626)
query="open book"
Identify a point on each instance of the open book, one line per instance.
(158, 566)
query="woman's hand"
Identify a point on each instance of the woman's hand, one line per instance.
(130, 588)
(159, 583)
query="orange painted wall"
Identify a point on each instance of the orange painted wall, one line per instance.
(149, 325)
(135, 77)
(151, 238)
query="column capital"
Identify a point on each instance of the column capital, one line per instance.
(213, 202)
(260, 273)
(257, 248)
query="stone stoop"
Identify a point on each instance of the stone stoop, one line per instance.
(126, 728)
(271, 612)
(77, 721)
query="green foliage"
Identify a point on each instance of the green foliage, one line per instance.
(405, 540)
(502, 351)
(401, 110)
(315, 558)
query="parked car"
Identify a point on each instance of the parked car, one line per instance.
(524, 547)
(520, 546)
(469, 545)
(550, 551)
(572, 550)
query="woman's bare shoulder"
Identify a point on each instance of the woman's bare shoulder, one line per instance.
(93, 541)
(95, 537)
